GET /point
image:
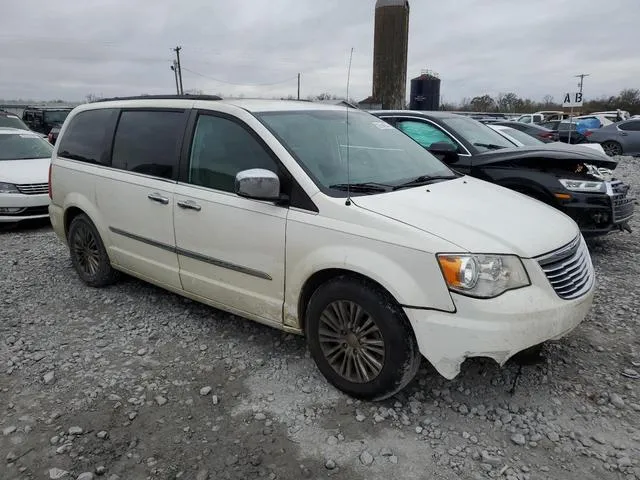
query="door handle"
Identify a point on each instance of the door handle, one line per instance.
(156, 197)
(189, 205)
(624, 134)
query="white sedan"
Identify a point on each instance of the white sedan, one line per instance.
(521, 139)
(24, 170)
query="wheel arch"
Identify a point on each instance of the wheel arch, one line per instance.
(321, 277)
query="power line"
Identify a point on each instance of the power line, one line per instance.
(240, 84)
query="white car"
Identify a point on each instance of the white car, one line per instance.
(24, 166)
(318, 220)
(521, 139)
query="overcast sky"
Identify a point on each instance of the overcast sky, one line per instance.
(70, 48)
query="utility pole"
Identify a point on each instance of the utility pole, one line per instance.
(581, 77)
(298, 86)
(177, 50)
(174, 67)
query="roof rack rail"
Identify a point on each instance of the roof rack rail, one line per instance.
(186, 96)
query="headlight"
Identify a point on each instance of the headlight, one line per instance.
(8, 188)
(583, 185)
(483, 276)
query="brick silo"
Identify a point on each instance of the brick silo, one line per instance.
(391, 40)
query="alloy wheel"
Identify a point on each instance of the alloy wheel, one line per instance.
(612, 149)
(351, 341)
(85, 248)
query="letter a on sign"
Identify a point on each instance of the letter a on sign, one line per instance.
(572, 100)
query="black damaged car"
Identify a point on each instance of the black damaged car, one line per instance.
(573, 179)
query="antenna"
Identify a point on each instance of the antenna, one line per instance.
(348, 202)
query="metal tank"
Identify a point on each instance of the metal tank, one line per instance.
(425, 92)
(391, 40)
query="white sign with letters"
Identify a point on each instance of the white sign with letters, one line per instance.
(572, 100)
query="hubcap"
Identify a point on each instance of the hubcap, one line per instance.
(351, 341)
(85, 249)
(611, 149)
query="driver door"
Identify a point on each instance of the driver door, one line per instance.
(231, 250)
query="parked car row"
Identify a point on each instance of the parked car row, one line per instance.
(408, 234)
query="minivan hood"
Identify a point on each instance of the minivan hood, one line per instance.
(32, 170)
(477, 216)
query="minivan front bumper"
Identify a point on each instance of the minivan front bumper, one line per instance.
(496, 328)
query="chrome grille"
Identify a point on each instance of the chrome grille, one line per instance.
(33, 188)
(569, 269)
(621, 204)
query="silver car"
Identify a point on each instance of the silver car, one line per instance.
(622, 138)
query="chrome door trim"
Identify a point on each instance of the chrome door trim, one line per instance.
(196, 256)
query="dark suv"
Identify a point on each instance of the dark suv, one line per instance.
(43, 119)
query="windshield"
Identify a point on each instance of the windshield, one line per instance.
(483, 138)
(21, 146)
(522, 137)
(377, 152)
(55, 116)
(11, 121)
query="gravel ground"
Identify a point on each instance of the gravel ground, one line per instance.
(132, 382)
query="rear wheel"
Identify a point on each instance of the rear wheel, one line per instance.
(88, 255)
(360, 339)
(612, 148)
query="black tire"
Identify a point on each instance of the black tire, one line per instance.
(88, 255)
(612, 148)
(400, 358)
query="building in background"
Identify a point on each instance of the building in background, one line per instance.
(390, 45)
(425, 91)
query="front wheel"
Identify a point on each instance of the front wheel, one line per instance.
(360, 339)
(612, 149)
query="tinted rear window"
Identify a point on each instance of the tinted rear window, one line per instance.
(12, 121)
(149, 142)
(85, 137)
(633, 126)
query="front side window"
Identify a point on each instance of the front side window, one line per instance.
(84, 138)
(220, 149)
(479, 135)
(22, 146)
(424, 133)
(149, 142)
(373, 151)
(525, 120)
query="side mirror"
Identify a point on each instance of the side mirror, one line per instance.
(445, 151)
(258, 183)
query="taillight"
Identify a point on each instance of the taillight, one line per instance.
(50, 192)
(546, 135)
(588, 133)
(50, 137)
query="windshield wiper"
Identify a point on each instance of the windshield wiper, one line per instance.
(424, 180)
(364, 187)
(490, 146)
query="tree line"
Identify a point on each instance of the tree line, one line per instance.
(628, 99)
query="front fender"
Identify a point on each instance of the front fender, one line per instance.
(413, 278)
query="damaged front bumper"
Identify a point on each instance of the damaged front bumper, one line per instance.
(496, 328)
(601, 213)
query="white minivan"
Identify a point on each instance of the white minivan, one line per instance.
(318, 220)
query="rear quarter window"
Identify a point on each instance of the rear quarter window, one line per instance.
(87, 136)
(149, 142)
